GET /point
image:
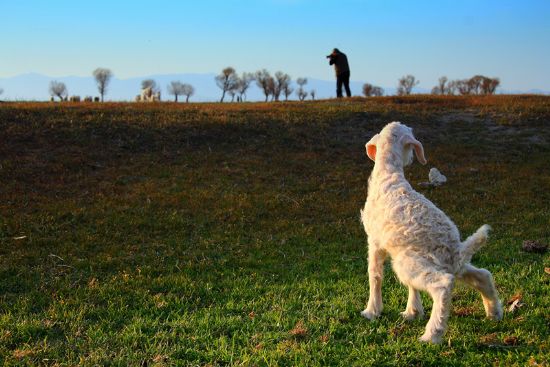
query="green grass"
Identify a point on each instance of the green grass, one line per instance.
(211, 234)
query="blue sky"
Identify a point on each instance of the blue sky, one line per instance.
(384, 39)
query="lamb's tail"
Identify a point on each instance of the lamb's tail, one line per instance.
(473, 243)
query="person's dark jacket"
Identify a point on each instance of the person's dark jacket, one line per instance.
(340, 62)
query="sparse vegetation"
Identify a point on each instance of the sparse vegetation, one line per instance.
(228, 234)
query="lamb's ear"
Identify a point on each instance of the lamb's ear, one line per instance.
(371, 147)
(418, 148)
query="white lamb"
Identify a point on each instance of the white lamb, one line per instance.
(422, 241)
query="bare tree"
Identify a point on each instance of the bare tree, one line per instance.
(489, 85)
(58, 89)
(243, 84)
(232, 93)
(312, 94)
(451, 87)
(271, 87)
(371, 90)
(463, 87)
(265, 82)
(442, 84)
(367, 89)
(406, 84)
(227, 80)
(188, 91)
(475, 83)
(287, 91)
(175, 89)
(301, 82)
(441, 87)
(1, 91)
(478, 84)
(302, 94)
(377, 91)
(102, 77)
(282, 81)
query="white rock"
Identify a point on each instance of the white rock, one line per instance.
(436, 177)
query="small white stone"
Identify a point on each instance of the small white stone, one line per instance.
(436, 177)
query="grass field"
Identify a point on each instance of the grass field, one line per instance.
(210, 234)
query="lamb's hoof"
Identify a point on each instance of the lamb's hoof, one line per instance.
(368, 314)
(427, 338)
(496, 314)
(410, 316)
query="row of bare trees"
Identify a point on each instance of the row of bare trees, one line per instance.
(404, 87)
(280, 85)
(176, 88)
(477, 84)
(273, 86)
(102, 77)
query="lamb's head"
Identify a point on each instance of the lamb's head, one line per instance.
(396, 142)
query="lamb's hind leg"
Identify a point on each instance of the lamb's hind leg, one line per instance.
(439, 286)
(414, 305)
(376, 273)
(482, 280)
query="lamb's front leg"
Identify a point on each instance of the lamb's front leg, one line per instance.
(414, 305)
(376, 273)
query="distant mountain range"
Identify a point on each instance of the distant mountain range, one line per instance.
(33, 86)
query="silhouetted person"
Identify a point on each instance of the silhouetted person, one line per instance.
(341, 67)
